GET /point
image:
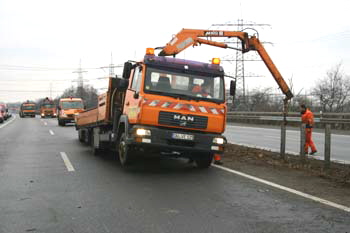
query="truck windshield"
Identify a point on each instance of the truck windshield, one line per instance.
(72, 104)
(47, 105)
(182, 85)
(29, 107)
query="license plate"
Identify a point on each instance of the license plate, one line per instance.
(182, 136)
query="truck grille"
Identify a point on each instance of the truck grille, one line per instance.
(187, 121)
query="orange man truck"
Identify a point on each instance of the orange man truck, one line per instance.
(154, 110)
(47, 108)
(27, 109)
(167, 105)
(68, 108)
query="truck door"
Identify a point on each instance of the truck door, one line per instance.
(132, 107)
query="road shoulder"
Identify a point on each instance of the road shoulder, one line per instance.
(308, 178)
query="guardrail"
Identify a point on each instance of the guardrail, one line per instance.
(326, 121)
(336, 120)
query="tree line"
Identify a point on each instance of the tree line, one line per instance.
(330, 93)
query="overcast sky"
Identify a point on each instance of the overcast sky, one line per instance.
(42, 41)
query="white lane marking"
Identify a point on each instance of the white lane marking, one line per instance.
(45, 123)
(66, 161)
(305, 195)
(11, 120)
(51, 132)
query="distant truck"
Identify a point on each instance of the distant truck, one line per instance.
(27, 109)
(68, 108)
(47, 108)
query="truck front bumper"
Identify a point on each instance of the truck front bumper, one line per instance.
(67, 119)
(168, 140)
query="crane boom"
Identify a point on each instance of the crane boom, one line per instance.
(192, 37)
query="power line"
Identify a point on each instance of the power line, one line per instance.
(11, 91)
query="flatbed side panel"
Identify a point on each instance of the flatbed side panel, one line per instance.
(102, 104)
(87, 118)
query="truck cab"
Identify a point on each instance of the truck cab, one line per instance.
(27, 109)
(47, 108)
(177, 107)
(67, 109)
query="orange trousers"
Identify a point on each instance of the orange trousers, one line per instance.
(217, 157)
(308, 141)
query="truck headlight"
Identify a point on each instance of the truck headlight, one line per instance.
(76, 114)
(219, 141)
(42, 114)
(143, 132)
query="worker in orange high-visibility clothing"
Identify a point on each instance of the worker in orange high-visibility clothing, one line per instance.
(204, 90)
(307, 117)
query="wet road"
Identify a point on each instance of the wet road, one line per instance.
(270, 138)
(39, 194)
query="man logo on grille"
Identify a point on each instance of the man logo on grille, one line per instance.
(183, 118)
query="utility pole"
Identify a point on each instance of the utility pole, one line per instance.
(239, 71)
(80, 80)
(111, 68)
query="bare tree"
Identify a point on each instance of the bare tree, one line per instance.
(333, 90)
(260, 100)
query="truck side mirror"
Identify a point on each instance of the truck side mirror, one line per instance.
(127, 70)
(233, 88)
(123, 84)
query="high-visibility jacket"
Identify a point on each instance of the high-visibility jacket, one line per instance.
(198, 89)
(308, 118)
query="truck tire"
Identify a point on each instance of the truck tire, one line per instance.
(95, 151)
(61, 123)
(124, 151)
(81, 136)
(204, 161)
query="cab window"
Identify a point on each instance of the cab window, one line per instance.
(136, 81)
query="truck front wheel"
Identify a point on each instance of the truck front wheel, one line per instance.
(124, 151)
(61, 123)
(204, 161)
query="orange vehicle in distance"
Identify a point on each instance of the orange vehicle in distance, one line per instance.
(27, 109)
(47, 108)
(68, 108)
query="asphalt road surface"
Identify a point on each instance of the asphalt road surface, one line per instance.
(270, 138)
(38, 193)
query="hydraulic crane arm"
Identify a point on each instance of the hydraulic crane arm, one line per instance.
(192, 37)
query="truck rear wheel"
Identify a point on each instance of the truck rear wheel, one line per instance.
(95, 151)
(124, 151)
(204, 161)
(81, 135)
(61, 123)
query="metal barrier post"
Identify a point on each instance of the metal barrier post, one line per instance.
(327, 147)
(302, 141)
(283, 141)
